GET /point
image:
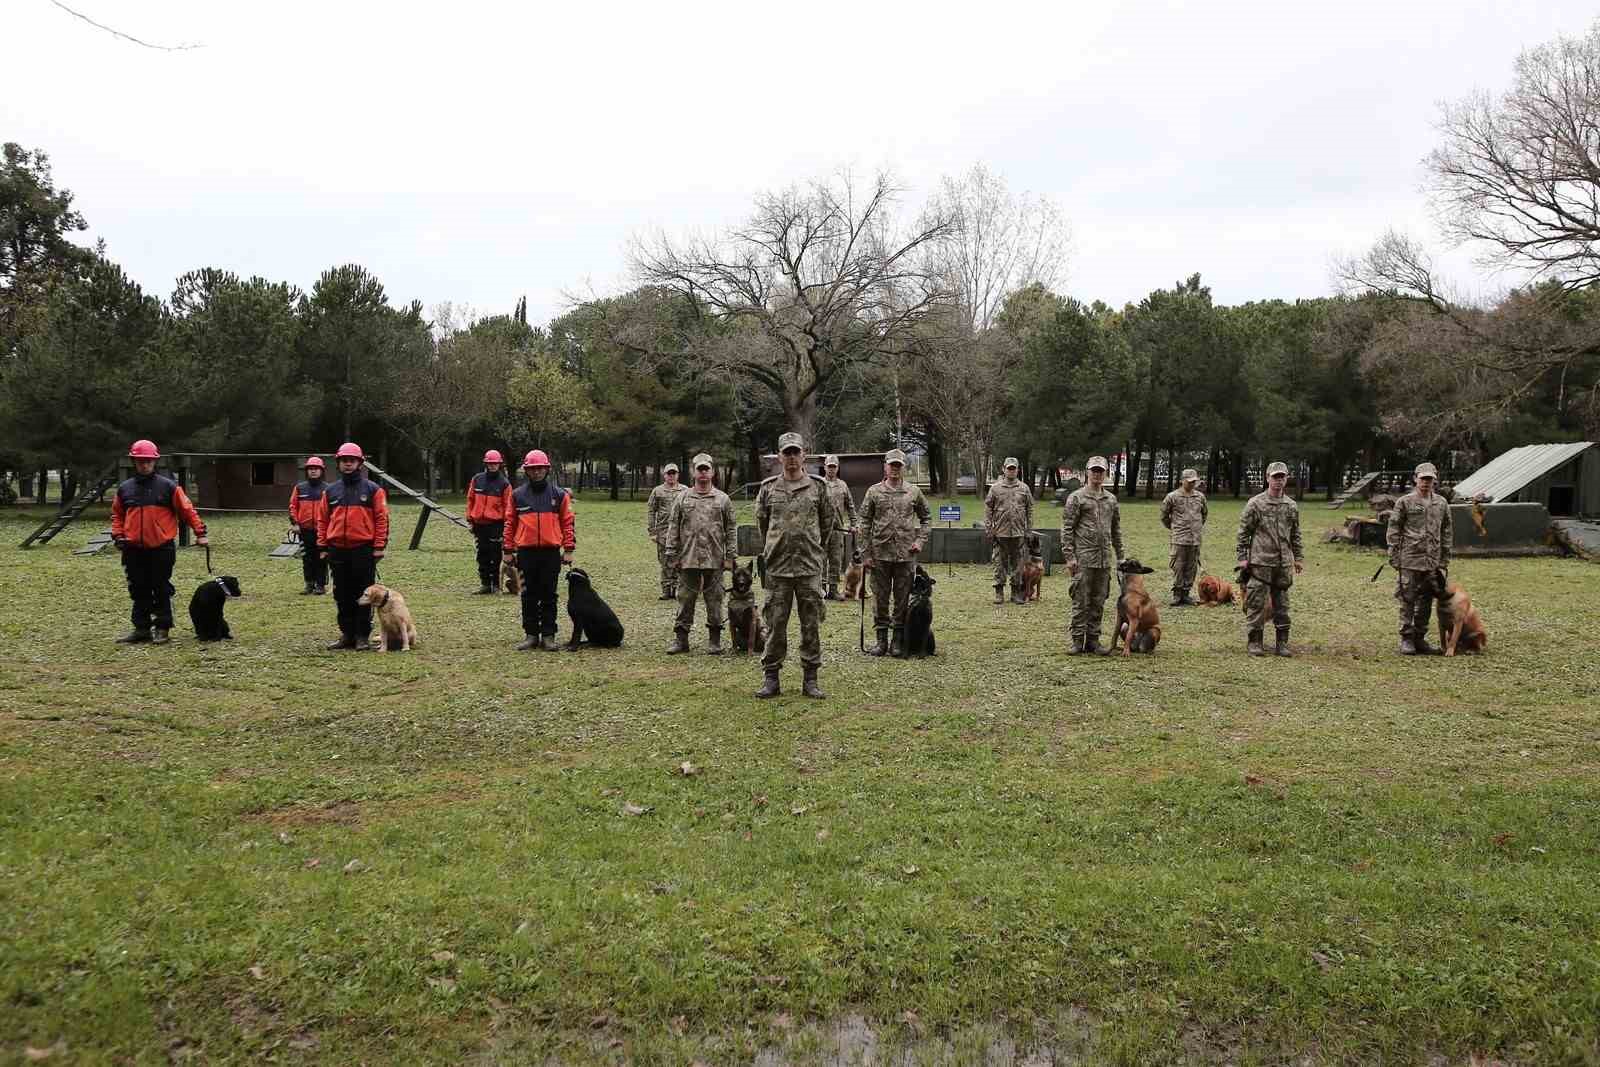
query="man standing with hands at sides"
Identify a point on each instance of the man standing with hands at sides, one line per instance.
(1007, 520)
(541, 530)
(894, 524)
(488, 500)
(1091, 545)
(1269, 546)
(844, 521)
(303, 500)
(1420, 539)
(145, 515)
(353, 530)
(700, 538)
(1184, 511)
(796, 519)
(656, 511)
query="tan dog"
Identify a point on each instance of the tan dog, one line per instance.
(852, 581)
(1033, 569)
(1138, 623)
(395, 626)
(510, 577)
(1460, 625)
(1214, 591)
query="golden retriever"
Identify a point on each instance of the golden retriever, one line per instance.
(395, 626)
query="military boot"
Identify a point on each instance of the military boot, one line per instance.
(309, 590)
(1283, 643)
(1091, 645)
(1408, 647)
(1075, 646)
(159, 636)
(344, 644)
(1178, 600)
(363, 644)
(1016, 595)
(680, 642)
(808, 684)
(529, 643)
(322, 590)
(1425, 649)
(483, 590)
(882, 647)
(548, 643)
(667, 594)
(999, 597)
(714, 641)
(897, 647)
(1253, 645)
(141, 636)
(769, 685)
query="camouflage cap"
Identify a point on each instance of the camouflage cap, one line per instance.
(1097, 461)
(1427, 470)
(1011, 461)
(831, 461)
(703, 460)
(894, 455)
(670, 468)
(1277, 467)
(791, 440)
(1190, 474)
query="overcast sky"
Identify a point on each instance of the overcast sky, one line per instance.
(474, 152)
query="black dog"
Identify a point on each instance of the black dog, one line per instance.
(205, 608)
(919, 615)
(591, 617)
(742, 614)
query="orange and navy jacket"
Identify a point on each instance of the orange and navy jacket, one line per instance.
(353, 514)
(540, 518)
(488, 498)
(146, 511)
(303, 500)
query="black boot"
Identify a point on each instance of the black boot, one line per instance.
(322, 590)
(714, 640)
(344, 644)
(1253, 644)
(680, 642)
(897, 646)
(1408, 647)
(138, 636)
(363, 644)
(529, 643)
(882, 647)
(1091, 645)
(483, 589)
(1016, 595)
(1283, 643)
(309, 590)
(667, 594)
(547, 642)
(808, 685)
(159, 636)
(769, 685)
(1075, 646)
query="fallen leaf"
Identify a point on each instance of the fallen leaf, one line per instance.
(283, 837)
(1323, 961)
(354, 867)
(443, 956)
(662, 889)
(34, 1055)
(822, 835)
(910, 1019)
(1503, 839)
(1251, 779)
(911, 870)
(679, 1025)
(258, 972)
(687, 769)
(761, 801)
(616, 1042)
(443, 985)
(1537, 849)
(772, 979)
(599, 1022)
(1362, 866)
(630, 808)
(310, 863)
(304, 1042)
(523, 927)
(799, 811)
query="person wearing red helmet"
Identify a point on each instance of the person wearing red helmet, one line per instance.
(303, 499)
(540, 531)
(488, 503)
(352, 531)
(145, 515)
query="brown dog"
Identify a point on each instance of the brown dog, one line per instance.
(1214, 591)
(852, 581)
(1460, 625)
(395, 627)
(1138, 623)
(1033, 569)
(510, 577)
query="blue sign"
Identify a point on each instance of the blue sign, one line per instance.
(949, 512)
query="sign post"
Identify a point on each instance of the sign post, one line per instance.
(949, 514)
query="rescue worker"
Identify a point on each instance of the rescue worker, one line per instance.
(895, 523)
(353, 532)
(700, 542)
(796, 521)
(1183, 512)
(656, 511)
(1091, 546)
(1420, 538)
(1270, 549)
(303, 500)
(844, 523)
(488, 503)
(541, 532)
(1007, 521)
(145, 515)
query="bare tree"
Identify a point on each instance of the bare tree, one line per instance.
(822, 279)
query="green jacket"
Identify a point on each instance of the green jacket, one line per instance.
(659, 506)
(700, 531)
(796, 520)
(1185, 515)
(1091, 529)
(1269, 532)
(844, 505)
(892, 520)
(1420, 535)
(1008, 509)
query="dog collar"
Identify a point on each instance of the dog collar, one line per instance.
(385, 600)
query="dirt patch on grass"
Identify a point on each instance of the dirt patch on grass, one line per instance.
(334, 811)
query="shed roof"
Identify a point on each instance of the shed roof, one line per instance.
(1510, 471)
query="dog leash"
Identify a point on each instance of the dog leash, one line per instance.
(208, 557)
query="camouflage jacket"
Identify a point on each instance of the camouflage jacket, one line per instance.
(700, 530)
(1269, 532)
(892, 520)
(1008, 509)
(1185, 515)
(796, 520)
(1420, 535)
(1091, 529)
(659, 507)
(844, 505)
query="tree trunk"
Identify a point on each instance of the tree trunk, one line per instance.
(1238, 474)
(1134, 450)
(43, 486)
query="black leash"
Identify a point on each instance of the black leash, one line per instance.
(208, 557)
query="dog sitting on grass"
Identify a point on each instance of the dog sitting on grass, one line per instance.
(592, 618)
(743, 617)
(852, 580)
(1138, 624)
(397, 631)
(919, 616)
(205, 608)
(1033, 567)
(1460, 625)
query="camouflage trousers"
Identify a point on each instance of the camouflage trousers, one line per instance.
(838, 558)
(693, 584)
(783, 595)
(1089, 591)
(1008, 560)
(1414, 595)
(891, 589)
(669, 570)
(1185, 563)
(1267, 597)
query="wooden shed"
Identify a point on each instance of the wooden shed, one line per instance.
(1565, 478)
(859, 470)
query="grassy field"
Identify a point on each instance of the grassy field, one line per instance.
(465, 854)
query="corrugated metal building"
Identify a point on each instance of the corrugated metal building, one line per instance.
(1564, 478)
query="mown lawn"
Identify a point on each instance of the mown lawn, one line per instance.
(1348, 857)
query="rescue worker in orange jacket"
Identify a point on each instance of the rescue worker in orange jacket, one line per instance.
(145, 515)
(353, 531)
(488, 504)
(303, 500)
(540, 531)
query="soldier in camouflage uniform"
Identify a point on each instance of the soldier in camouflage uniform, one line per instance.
(796, 521)
(1269, 545)
(1091, 546)
(700, 537)
(1007, 519)
(1184, 511)
(656, 511)
(844, 523)
(1420, 538)
(895, 522)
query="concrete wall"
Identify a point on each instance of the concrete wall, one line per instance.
(1507, 525)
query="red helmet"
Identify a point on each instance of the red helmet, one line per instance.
(314, 461)
(142, 449)
(493, 456)
(536, 458)
(350, 450)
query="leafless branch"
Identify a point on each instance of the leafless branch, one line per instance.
(126, 37)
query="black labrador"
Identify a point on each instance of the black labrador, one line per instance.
(919, 615)
(592, 618)
(205, 608)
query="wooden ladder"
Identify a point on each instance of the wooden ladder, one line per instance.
(65, 517)
(1359, 486)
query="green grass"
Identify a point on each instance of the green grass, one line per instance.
(1195, 856)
